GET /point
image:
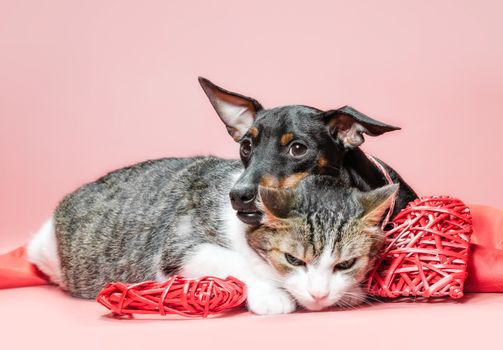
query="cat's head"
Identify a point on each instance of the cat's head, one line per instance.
(321, 238)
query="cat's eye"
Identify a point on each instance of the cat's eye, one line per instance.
(345, 265)
(293, 260)
(246, 148)
(297, 150)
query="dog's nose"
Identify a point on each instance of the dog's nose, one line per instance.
(242, 196)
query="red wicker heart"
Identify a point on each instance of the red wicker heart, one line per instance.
(189, 297)
(426, 251)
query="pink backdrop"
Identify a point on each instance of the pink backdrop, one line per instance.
(89, 86)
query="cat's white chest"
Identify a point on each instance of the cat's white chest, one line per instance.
(235, 231)
(237, 259)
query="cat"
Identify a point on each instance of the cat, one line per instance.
(314, 247)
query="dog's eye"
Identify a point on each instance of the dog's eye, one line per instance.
(293, 260)
(246, 148)
(345, 265)
(298, 149)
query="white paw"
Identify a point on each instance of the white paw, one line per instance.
(352, 298)
(269, 301)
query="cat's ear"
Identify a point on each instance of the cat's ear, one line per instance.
(348, 125)
(275, 203)
(376, 202)
(236, 111)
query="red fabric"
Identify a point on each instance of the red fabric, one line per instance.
(485, 266)
(17, 271)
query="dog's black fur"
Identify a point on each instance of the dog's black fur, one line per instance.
(281, 145)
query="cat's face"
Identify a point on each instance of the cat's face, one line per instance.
(322, 239)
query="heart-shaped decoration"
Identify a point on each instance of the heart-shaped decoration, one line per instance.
(426, 251)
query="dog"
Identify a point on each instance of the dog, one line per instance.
(280, 146)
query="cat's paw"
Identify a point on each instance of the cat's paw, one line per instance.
(269, 301)
(352, 298)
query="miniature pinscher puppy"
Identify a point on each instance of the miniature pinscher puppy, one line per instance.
(280, 146)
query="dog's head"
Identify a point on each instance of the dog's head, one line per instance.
(280, 146)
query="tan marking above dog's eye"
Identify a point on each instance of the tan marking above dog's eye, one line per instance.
(254, 132)
(322, 162)
(285, 138)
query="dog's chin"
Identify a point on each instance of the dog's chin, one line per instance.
(250, 218)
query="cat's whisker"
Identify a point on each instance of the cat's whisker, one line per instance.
(374, 299)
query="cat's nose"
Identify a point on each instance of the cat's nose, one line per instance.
(319, 296)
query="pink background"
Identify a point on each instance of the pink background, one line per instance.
(90, 86)
(86, 87)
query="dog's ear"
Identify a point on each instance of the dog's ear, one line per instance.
(236, 111)
(348, 125)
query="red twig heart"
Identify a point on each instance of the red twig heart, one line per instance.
(426, 251)
(190, 297)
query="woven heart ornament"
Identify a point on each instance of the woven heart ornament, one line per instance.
(189, 297)
(426, 251)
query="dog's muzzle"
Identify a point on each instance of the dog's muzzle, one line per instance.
(243, 201)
